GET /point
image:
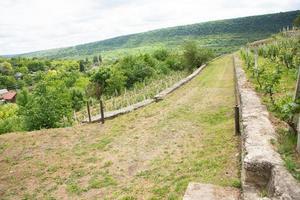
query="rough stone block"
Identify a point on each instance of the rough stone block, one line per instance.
(198, 191)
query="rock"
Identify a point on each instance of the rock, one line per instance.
(198, 191)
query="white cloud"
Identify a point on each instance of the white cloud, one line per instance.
(30, 25)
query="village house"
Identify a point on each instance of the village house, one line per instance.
(7, 96)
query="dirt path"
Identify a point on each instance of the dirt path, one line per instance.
(152, 153)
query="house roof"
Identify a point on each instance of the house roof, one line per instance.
(3, 91)
(9, 95)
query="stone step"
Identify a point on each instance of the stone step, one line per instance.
(199, 191)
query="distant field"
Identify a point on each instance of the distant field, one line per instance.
(223, 43)
(152, 153)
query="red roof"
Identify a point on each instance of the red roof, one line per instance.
(9, 95)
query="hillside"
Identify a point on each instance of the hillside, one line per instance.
(152, 153)
(223, 36)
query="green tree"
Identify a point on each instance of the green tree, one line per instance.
(161, 54)
(77, 97)
(49, 107)
(95, 60)
(81, 66)
(174, 62)
(36, 65)
(23, 70)
(137, 68)
(116, 82)
(6, 68)
(28, 80)
(194, 56)
(109, 80)
(70, 66)
(8, 82)
(100, 79)
(9, 120)
(23, 98)
(296, 21)
(100, 59)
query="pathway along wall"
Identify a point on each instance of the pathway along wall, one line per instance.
(263, 171)
(158, 97)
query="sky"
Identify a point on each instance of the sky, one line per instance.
(31, 25)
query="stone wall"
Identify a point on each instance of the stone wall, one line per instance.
(263, 173)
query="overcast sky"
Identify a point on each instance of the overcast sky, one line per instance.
(30, 25)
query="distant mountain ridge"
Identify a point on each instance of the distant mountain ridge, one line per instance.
(247, 28)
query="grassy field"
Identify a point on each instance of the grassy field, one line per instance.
(152, 153)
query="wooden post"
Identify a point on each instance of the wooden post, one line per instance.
(89, 112)
(298, 137)
(297, 92)
(256, 59)
(237, 100)
(296, 118)
(237, 119)
(102, 111)
(75, 117)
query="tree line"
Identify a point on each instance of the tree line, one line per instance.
(60, 87)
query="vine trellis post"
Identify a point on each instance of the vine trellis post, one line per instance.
(256, 59)
(88, 110)
(237, 100)
(296, 118)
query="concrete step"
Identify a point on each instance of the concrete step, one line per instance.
(199, 191)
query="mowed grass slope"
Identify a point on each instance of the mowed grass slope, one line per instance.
(152, 153)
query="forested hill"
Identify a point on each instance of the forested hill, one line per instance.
(223, 35)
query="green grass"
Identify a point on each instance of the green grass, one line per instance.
(74, 188)
(152, 153)
(286, 146)
(106, 180)
(100, 145)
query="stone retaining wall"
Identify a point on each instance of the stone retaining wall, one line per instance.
(115, 113)
(177, 85)
(263, 171)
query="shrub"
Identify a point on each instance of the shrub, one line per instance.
(50, 106)
(9, 121)
(8, 110)
(77, 97)
(116, 82)
(36, 65)
(248, 57)
(174, 62)
(137, 68)
(11, 124)
(286, 57)
(161, 54)
(286, 108)
(270, 82)
(194, 56)
(109, 80)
